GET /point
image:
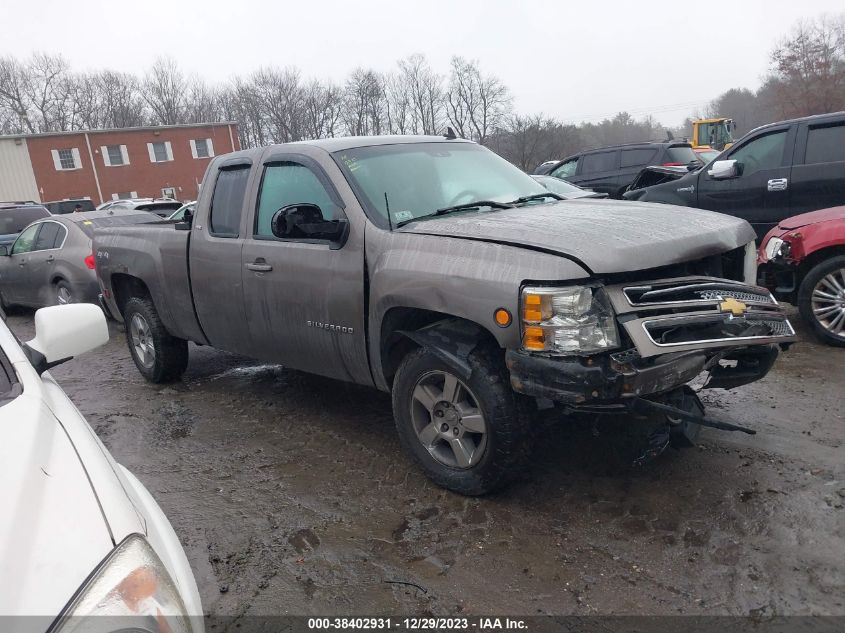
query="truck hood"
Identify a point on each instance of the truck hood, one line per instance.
(603, 236)
(813, 217)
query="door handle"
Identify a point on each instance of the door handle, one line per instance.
(778, 184)
(259, 266)
(50, 259)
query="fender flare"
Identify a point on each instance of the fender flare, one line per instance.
(451, 340)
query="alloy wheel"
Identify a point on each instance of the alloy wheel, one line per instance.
(828, 302)
(447, 420)
(142, 342)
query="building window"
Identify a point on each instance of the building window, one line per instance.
(124, 195)
(114, 155)
(67, 158)
(202, 148)
(160, 152)
(168, 192)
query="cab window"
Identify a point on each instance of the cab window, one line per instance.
(764, 152)
(567, 170)
(825, 144)
(227, 202)
(26, 240)
(288, 183)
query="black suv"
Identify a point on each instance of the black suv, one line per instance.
(774, 172)
(611, 169)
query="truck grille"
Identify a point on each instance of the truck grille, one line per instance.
(692, 313)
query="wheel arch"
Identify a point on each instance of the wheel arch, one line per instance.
(450, 337)
(125, 286)
(817, 257)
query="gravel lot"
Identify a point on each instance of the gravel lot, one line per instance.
(291, 495)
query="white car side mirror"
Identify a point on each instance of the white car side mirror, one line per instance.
(65, 331)
(723, 169)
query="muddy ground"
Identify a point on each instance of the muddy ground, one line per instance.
(291, 495)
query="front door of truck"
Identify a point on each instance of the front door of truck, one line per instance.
(304, 296)
(217, 239)
(760, 193)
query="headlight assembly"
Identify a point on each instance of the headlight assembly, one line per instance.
(131, 590)
(573, 320)
(777, 248)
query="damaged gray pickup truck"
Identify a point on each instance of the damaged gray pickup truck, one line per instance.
(433, 269)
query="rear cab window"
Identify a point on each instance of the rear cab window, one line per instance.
(825, 144)
(227, 201)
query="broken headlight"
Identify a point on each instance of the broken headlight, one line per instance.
(573, 320)
(777, 248)
(131, 590)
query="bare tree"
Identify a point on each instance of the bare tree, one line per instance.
(165, 90)
(423, 90)
(809, 67)
(476, 103)
(280, 95)
(13, 79)
(365, 103)
(321, 108)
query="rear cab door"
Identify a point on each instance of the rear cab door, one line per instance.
(214, 257)
(304, 297)
(760, 193)
(818, 172)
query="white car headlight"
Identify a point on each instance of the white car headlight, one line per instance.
(574, 320)
(131, 590)
(773, 248)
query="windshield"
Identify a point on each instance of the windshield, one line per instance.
(14, 220)
(416, 179)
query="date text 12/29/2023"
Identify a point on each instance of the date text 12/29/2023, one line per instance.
(417, 624)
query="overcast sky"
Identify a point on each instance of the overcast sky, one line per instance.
(576, 60)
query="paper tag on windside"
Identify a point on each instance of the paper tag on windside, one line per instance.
(403, 216)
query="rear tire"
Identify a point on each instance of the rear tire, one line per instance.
(63, 293)
(473, 442)
(822, 304)
(159, 356)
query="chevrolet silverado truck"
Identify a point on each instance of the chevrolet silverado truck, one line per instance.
(433, 269)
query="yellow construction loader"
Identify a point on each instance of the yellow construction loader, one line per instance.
(713, 133)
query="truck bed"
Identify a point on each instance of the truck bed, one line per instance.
(155, 254)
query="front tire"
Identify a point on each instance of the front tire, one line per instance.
(159, 356)
(821, 300)
(470, 435)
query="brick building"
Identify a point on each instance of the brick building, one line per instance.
(103, 165)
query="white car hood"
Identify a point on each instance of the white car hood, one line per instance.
(52, 530)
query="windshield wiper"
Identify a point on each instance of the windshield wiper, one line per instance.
(536, 196)
(460, 207)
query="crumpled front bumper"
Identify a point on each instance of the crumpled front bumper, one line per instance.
(675, 329)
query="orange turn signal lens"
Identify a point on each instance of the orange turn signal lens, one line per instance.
(503, 317)
(534, 338)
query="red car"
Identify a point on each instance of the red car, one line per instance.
(802, 261)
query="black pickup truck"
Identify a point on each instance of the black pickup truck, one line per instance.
(772, 173)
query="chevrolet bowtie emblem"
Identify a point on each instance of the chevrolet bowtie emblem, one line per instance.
(736, 308)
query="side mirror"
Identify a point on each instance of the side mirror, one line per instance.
(723, 169)
(65, 331)
(305, 221)
(4, 251)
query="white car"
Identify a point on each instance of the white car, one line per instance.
(79, 534)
